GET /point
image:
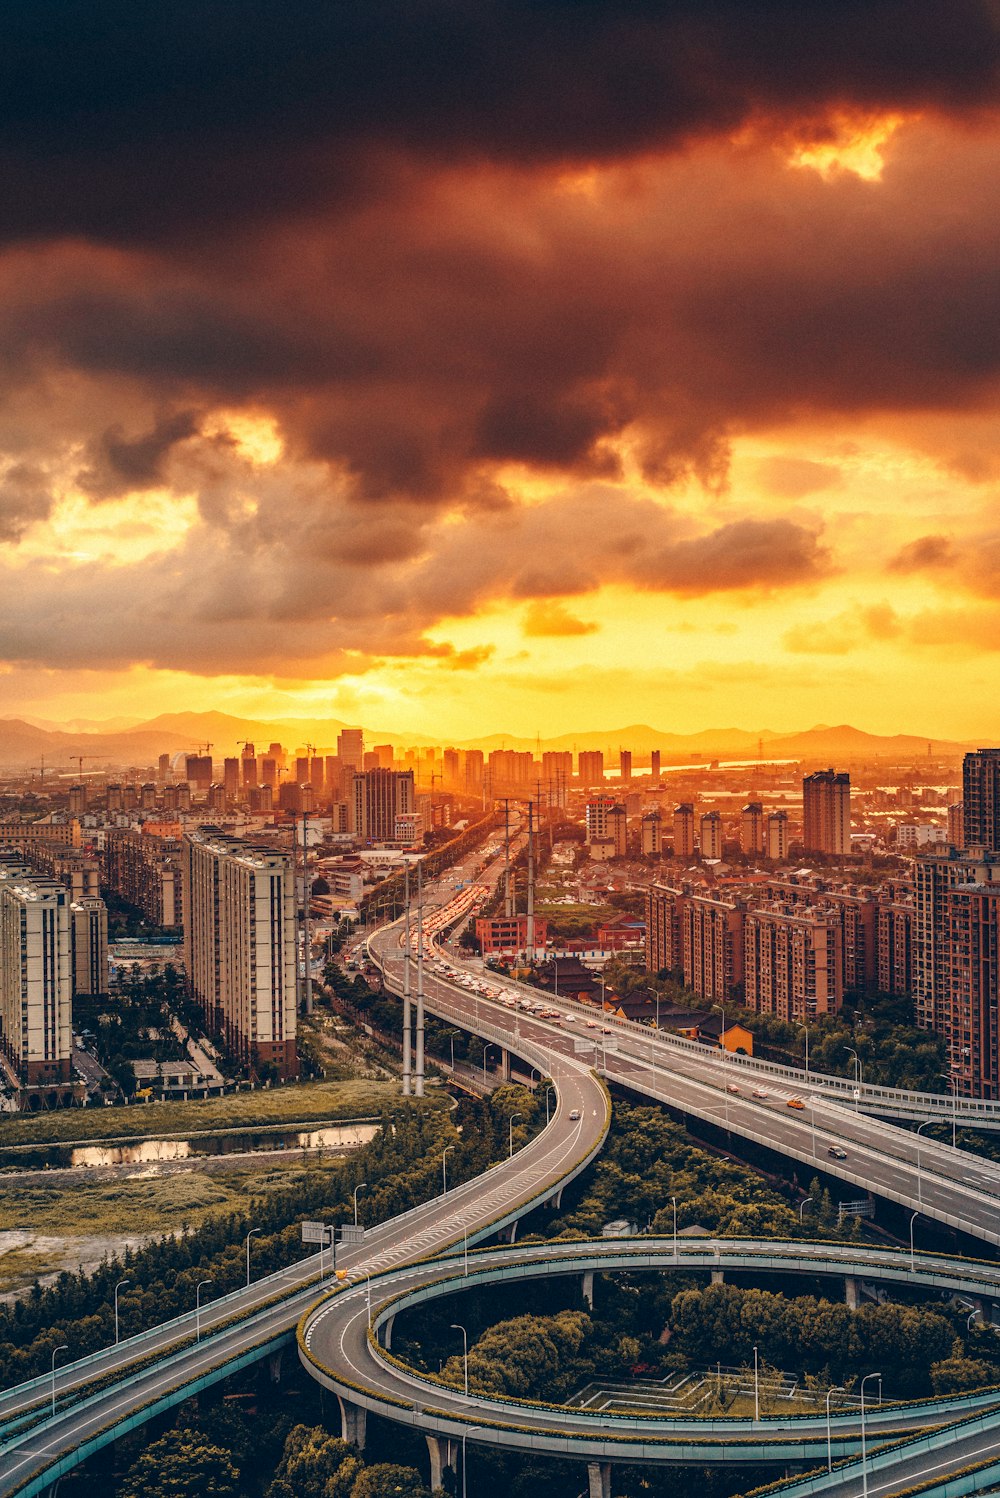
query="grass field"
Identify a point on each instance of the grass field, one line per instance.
(307, 1103)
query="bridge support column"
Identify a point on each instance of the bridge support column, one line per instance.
(274, 1366)
(504, 1068)
(555, 1202)
(443, 1454)
(588, 1288)
(508, 1234)
(718, 1276)
(599, 1479)
(387, 1334)
(353, 1422)
(851, 1292)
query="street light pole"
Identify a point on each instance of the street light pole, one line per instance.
(864, 1451)
(359, 1187)
(485, 1050)
(953, 1084)
(673, 1203)
(55, 1353)
(549, 1088)
(249, 1236)
(456, 1326)
(803, 1205)
(465, 1436)
(913, 1267)
(837, 1389)
(510, 1132)
(120, 1286)
(756, 1386)
(444, 1169)
(857, 1075)
(197, 1309)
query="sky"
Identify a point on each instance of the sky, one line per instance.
(463, 367)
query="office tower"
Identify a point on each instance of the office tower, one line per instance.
(826, 812)
(590, 767)
(474, 769)
(301, 769)
(376, 800)
(36, 978)
(249, 766)
(385, 756)
(711, 835)
(956, 824)
(652, 834)
(240, 945)
(684, 830)
(351, 748)
(777, 836)
(231, 778)
(981, 799)
(792, 961)
(654, 765)
(625, 764)
(198, 771)
(89, 946)
(752, 829)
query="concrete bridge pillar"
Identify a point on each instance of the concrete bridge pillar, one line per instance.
(851, 1292)
(588, 1288)
(387, 1333)
(504, 1068)
(443, 1454)
(508, 1234)
(555, 1202)
(718, 1276)
(274, 1366)
(599, 1479)
(353, 1422)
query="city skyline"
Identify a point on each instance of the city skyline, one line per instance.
(596, 359)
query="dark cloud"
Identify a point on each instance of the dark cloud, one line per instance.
(923, 554)
(25, 498)
(148, 122)
(121, 465)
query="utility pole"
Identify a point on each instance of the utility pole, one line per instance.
(307, 991)
(407, 1011)
(530, 932)
(419, 1078)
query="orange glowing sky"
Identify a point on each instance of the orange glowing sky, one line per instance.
(441, 426)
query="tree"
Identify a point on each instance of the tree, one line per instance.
(384, 1480)
(182, 1464)
(314, 1464)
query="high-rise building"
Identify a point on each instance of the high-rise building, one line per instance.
(652, 834)
(450, 764)
(625, 764)
(239, 945)
(792, 961)
(474, 769)
(654, 764)
(36, 978)
(89, 946)
(969, 1018)
(77, 800)
(607, 823)
(557, 765)
(269, 771)
(144, 869)
(826, 812)
(936, 874)
(956, 824)
(894, 927)
(752, 829)
(710, 845)
(981, 799)
(249, 767)
(198, 771)
(777, 836)
(590, 767)
(510, 768)
(385, 756)
(712, 945)
(231, 778)
(664, 933)
(377, 798)
(351, 748)
(684, 830)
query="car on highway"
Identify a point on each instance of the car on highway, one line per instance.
(759, 1092)
(732, 1087)
(836, 1153)
(574, 1115)
(795, 1102)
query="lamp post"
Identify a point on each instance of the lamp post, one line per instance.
(926, 1124)
(864, 1450)
(803, 1205)
(359, 1187)
(837, 1389)
(485, 1053)
(913, 1266)
(510, 1133)
(55, 1353)
(971, 1318)
(197, 1309)
(249, 1236)
(756, 1386)
(549, 1088)
(673, 1203)
(456, 1326)
(120, 1286)
(857, 1075)
(953, 1084)
(465, 1436)
(444, 1169)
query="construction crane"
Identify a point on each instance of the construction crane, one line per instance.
(206, 750)
(80, 759)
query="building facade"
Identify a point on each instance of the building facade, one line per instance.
(826, 812)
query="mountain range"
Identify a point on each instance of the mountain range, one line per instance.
(93, 744)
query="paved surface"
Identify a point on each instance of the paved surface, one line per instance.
(337, 1349)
